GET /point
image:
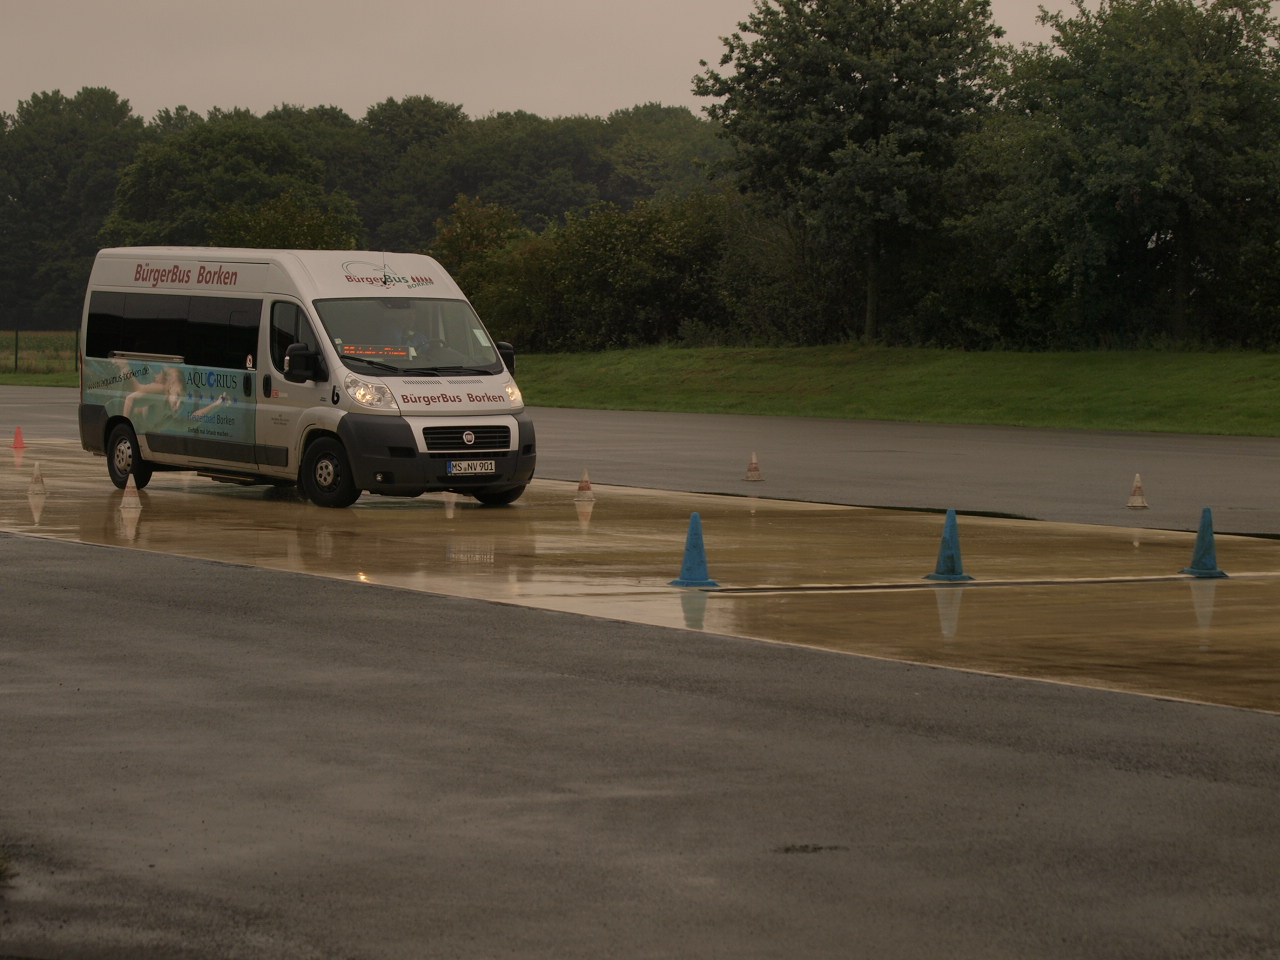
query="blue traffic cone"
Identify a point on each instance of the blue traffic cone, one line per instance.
(694, 571)
(949, 566)
(1204, 561)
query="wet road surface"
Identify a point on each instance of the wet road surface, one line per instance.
(240, 725)
(1104, 606)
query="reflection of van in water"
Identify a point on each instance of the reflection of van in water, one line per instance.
(340, 371)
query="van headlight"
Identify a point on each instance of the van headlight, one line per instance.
(367, 393)
(514, 395)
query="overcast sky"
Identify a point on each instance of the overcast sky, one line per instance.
(549, 57)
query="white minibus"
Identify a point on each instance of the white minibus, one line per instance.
(340, 371)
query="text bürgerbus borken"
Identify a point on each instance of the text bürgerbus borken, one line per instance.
(178, 275)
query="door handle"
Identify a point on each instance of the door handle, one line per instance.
(266, 386)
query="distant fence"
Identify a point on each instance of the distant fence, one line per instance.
(41, 351)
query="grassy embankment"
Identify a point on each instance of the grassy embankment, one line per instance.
(42, 358)
(1210, 393)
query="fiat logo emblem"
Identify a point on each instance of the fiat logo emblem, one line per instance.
(468, 437)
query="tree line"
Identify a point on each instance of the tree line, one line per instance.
(881, 170)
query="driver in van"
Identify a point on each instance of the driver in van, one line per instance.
(433, 350)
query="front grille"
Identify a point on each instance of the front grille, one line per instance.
(450, 438)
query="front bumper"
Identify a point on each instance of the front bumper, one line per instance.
(390, 455)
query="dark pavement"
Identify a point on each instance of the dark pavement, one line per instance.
(206, 760)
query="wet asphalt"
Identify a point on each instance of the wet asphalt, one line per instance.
(206, 758)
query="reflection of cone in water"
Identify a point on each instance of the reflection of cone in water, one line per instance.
(949, 566)
(130, 508)
(753, 469)
(36, 494)
(584, 489)
(129, 499)
(693, 604)
(17, 439)
(584, 508)
(1204, 561)
(693, 573)
(948, 611)
(1202, 600)
(1137, 499)
(129, 523)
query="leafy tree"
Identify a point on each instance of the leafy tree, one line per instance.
(771, 285)
(607, 278)
(397, 125)
(385, 189)
(177, 189)
(291, 221)
(1139, 170)
(660, 153)
(647, 275)
(540, 168)
(472, 231)
(168, 121)
(60, 158)
(331, 136)
(846, 115)
(516, 290)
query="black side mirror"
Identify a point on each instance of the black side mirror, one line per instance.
(508, 354)
(301, 363)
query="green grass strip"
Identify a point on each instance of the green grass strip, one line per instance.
(1203, 393)
(1227, 393)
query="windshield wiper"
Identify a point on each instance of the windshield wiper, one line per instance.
(446, 371)
(373, 363)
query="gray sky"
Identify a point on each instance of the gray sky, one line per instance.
(550, 57)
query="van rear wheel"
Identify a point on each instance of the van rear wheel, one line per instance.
(326, 476)
(124, 458)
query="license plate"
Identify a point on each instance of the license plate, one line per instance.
(460, 467)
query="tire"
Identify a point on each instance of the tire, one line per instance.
(500, 498)
(326, 476)
(124, 458)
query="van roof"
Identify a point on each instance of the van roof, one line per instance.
(312, 274)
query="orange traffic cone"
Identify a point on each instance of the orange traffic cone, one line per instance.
(584, 489)
(753, 469)
(17, 440)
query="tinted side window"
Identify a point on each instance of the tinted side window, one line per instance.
(106, 320)
(289, 325)
(203, 331)
(155, 324)
(222, 332)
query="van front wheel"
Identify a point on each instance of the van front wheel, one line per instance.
(123, 458)
(326, 476)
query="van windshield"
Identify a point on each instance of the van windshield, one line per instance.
(408, 335)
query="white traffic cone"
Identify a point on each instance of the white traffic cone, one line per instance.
(1137, 499)
(584, 489)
